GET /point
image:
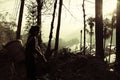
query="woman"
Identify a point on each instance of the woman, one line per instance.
(32, 49)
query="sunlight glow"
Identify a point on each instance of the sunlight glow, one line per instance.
(109, 7)
(72, 17)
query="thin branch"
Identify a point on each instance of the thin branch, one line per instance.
(69, 11)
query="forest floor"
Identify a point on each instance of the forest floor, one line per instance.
(78, 67)
(63, 67)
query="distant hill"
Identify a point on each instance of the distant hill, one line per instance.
(76, 35)
(74, 39)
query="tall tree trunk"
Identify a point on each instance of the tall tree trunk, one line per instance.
(39, 8)
(118, 38)
(99, 29)
(18, 33)
(48, 51)
(83, 5)
(58, 27)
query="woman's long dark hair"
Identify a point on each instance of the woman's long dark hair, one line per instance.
(33, 29)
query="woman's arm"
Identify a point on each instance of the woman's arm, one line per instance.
(40, 54)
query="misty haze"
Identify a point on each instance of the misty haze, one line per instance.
(59, 40)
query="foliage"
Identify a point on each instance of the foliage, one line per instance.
(107, 28)
(47, 7)
(31, 16)
(6, 30)
(69, 66)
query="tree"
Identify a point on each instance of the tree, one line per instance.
(6, 30)
(58, 27)
(106, 30)
(48, 51)
(35, 11)
(84, 15)
(91, 24)
(31, 17)
(80, 40)
(99, 29)
(18, 32)
(113, 25)
(109, 25)
(39, 9)
(118, 38)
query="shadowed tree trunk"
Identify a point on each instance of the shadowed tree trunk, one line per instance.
(83, 5)
(18, 33)
(99, 29)
(39, 8)
(48, 51)
(58, 27)
(118, 38)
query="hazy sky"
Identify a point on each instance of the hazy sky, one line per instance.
(72, 15)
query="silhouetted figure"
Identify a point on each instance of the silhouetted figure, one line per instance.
(32, 50)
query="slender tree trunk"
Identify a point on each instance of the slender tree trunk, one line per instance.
(18, 33)
(84, 26)
(39, 8)
(99, 29)
(58, 27)
(118, 39)
(48, 51)
(90, 40)
(80, 40)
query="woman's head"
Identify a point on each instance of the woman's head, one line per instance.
(34, 30)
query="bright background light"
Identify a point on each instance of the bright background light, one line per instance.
(72, 15)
